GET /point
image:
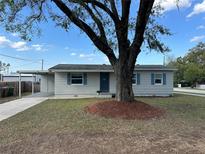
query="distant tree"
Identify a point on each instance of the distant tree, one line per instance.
(109, 24)
(196, 55)
(4, 66)
(191, 67)
(193, 74)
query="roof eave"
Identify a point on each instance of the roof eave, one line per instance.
(62, 70)
(35, 72)
(137, 69)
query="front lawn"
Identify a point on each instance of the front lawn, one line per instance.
(62, 126)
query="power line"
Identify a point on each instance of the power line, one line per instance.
(24, 59)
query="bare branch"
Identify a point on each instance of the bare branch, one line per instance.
(104, 8)
(114, 9)
(97, 21)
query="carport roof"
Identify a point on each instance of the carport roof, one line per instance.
(35, 72)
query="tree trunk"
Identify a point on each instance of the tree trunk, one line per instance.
(124, 90)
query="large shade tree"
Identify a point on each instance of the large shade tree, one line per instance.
(112, 27)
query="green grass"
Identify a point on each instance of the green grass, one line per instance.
(64, 121)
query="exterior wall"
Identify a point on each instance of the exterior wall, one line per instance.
(145, 88)
(112, 83)
(62, 88)
(47, 84)
(93, 84)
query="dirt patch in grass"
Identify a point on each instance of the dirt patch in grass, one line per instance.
(123, 110)
(103, 143)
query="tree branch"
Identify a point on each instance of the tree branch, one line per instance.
(104, 8)
(97, 21)
(101, 45)
(123, 33)
(114, 9)
(142, 19)
(125, 11)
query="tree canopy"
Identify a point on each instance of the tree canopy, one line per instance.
(191, 67)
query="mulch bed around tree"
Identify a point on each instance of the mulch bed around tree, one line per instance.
(123, 110)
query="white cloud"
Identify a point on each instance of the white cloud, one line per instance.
(86, 55)
(23, 48)
(37, 47)
(200, 27)
(17, 45)
(4, 40)
(168, 5)
(197, 38)
(198, 8)
(20, 45)
(73, 54)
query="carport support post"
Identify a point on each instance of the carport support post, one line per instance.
(32, 84)
(19, 85)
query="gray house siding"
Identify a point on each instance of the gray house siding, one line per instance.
(144, 88)
(63, 88)
(47, 84)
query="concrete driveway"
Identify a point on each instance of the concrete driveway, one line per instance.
(11, 108)
(190, 91)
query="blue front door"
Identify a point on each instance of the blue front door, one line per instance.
(104, 82)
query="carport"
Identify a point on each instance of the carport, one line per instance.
(34, 72)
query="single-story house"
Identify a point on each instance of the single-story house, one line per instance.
(79, 80)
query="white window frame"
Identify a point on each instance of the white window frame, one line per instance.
(71, 78)
(134, 74)
(158, 78)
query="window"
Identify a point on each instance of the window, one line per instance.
(77, 78)
(158, 79)
(134, 79)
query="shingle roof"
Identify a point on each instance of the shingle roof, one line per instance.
(93, 67)
(81, 67)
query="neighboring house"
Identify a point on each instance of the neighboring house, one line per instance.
(24, 77)
(76, 80)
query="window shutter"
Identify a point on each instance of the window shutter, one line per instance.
(164, 79)
(138, 78)
(85, 78)
(152, 78)
(68, 79)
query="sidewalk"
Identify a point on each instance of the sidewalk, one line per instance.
(13, 107)
(189, 91)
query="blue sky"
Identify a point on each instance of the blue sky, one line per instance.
(57, 46)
